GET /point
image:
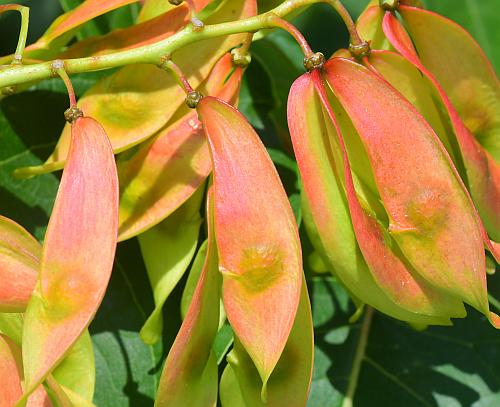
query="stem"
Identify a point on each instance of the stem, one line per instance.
(73, 112)
(348, 21)
(241, 55)
(296, 34)
(58, 67)
(151, 53)
(358, 358)
(389, 5)
(174, 69)
(245, 45)
(493, 301)
(23, 33)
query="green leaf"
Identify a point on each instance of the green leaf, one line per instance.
(480, 18)
(77, 370)
(282, 59)
(190, 373)
(168, 249)
(223, 342)
(68, 5)
(283, 160)
(127, 370)
(30, 124)
(289, 175)
(80, 82)
(193, 277)
(255, 97)
(120, 18)
(25, 142)
(229, 388)
(11, 325)
(440, 366)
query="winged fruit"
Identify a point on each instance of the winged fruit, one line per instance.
(256, 236)
(77, 255)
(412, 218)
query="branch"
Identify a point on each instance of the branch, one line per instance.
(151, 53)
(358, 358)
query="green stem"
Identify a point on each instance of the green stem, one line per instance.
(358, 358)
(247, 42)
(58, 67)
(23, 33)
(181, 79)
(493, 301)
(151, 53)
(355, 39)
(296, 34)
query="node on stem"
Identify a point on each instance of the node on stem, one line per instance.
(59, 68)
(57, 65)
(8, 90)
(197, 24)
(313, 61)
(412, 3)
(150, 52)
(18, 59)
(72, 113)
(240, 58)
(389, 5)
(360, 50)
(193, 98)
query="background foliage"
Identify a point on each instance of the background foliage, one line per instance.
(458, 366)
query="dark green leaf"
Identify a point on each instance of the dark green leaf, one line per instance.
(128, 370)
(29, 126)
(282, 60)
(223, 342)
(440, 366)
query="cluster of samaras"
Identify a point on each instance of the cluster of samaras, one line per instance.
(398, 148)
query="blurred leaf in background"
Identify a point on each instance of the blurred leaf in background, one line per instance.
(480, 18)
(42, 13)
